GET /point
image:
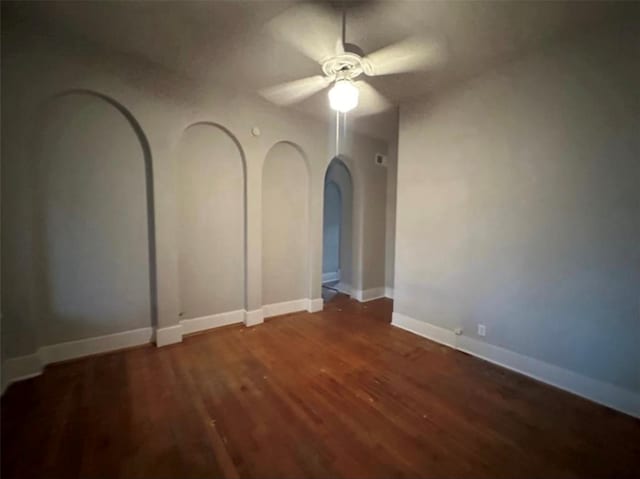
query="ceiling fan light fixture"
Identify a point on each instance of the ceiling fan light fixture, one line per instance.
(343, 96)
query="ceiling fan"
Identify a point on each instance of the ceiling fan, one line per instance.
(317, 33)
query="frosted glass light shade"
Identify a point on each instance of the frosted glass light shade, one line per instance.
(343, 97)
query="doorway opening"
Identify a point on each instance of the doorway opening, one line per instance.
(337, 258)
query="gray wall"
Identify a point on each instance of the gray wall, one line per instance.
(285, 225)
(390, 232)
(374, 227)
(519, 207)
(369, 222)
(211, 222)
(153, 144)
(331, 231)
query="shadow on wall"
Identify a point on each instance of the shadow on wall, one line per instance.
(211, 220)
(93, 195)
(285, 224)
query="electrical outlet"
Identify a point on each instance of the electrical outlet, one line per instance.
(482, 330)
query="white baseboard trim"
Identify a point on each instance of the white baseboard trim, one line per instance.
(315, 305)
(173, 334)
(169, 335)
(388, 292)
(24, 367)
(254, 317)
(294, 306)
(330, 277)
(286, 307)
(595, 390)
(426, 330)
(101, 344)
(368, 294)
(193, 325)
(344, 288)
(31, 365)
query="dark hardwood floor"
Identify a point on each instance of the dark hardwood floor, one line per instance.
(334, 394)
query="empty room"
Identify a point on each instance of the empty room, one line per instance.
(320, 239)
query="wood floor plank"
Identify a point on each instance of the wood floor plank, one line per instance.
(339, 393)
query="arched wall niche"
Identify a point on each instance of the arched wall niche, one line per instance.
(286, 245)
(94, 219)
(211, 221)
(302, 154)
(339, 173)
(229, 133)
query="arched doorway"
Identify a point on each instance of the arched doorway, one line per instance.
(337, 256)
(332, 225)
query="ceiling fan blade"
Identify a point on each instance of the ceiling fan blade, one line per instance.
(295, 91)
(371, 100)
(412, 54)
(313, 30)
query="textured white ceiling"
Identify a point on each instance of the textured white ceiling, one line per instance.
(226, 41)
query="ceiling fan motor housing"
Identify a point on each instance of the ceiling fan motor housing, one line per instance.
(347, 65)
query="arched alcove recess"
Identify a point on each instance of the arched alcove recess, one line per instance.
(339, 174)
(211, 221)
(94, 232)
(285, 224)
